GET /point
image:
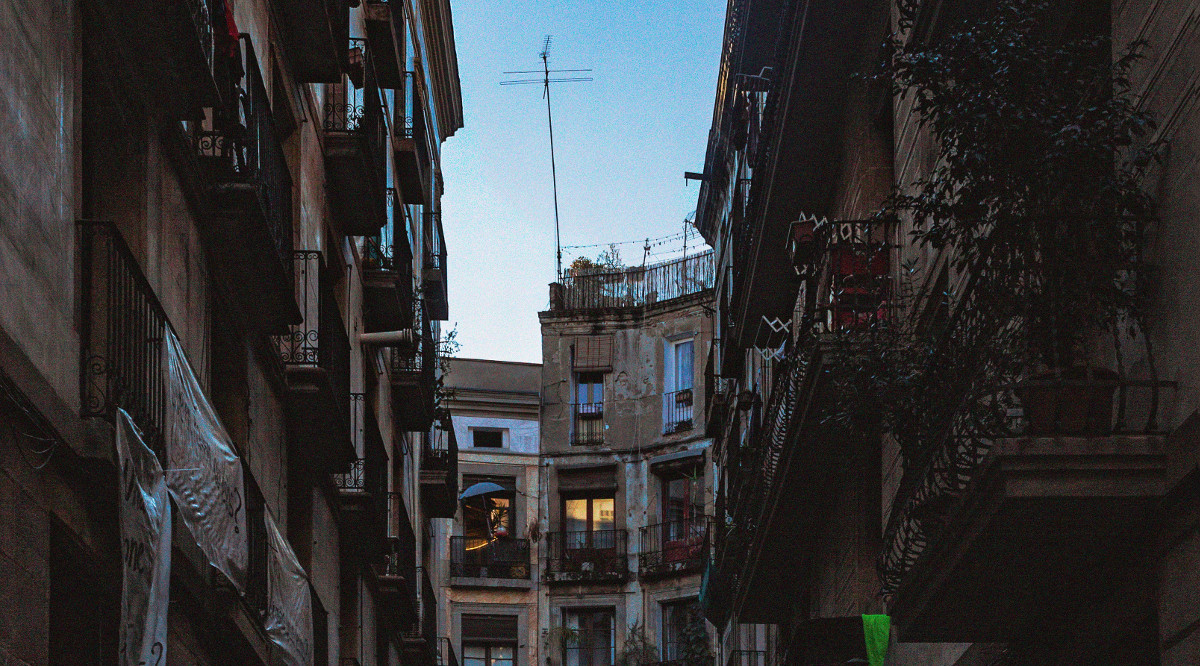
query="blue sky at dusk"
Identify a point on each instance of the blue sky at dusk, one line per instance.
(623, 142)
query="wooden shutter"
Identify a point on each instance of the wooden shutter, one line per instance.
(489, 628)
(593, 352)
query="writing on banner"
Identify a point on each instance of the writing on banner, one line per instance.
(289, 621)
(205, 475)
(145, 524)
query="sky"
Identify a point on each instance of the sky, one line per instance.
(622, 143)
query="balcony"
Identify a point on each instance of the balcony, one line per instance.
(434, 273)
(587, 424)
(413, 161)
(677, 412)
(172, 47)
(387, 274)
(717, 393)
(362, 492)
(420, 637)
(413, 375)
(500, 559)
(674, 548)
(385, 34)
(598, 556)
(396, 576)
(634, 287)
(123, 325)
(241, 162)
(356, 146)
(439, 471)
(1035, 521)
(316, 360)
(314, 36)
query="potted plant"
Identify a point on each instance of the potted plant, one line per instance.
(1037, 197)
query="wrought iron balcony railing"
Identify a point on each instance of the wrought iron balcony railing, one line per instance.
(596, 555)
(414, 161)
(379, 252)
(677, 411)
(477, 557)
(424, 628)
(587, 424)
(678, 546)
(634, 287)
(122, 341)
(239, 149)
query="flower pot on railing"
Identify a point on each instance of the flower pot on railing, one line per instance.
(1074, 401)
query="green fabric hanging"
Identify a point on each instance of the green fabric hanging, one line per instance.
(877, 631)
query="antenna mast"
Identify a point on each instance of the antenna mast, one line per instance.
(546, 81)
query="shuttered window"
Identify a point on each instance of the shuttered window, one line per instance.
(593, 352)
(489, 628)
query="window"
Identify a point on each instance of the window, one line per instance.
(589, 389)
(487, 438)
(588, 522)
(678, 386)
(589, 408)
(489, 640)
(588, 637)
(676, 616)
(489, 516)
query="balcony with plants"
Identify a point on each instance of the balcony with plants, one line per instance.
(587, 556)
(1024, 396)
(356, 144)
(241, 164)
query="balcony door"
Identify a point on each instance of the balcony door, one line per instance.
(588, 523)
(588, 638)
(487, 528)
(683, 514)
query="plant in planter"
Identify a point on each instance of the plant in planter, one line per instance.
(1036, 196)
(639, 650)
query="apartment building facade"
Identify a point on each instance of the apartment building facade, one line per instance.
(626, 473)
(487, 555)
(221, 239)
(1043, 540)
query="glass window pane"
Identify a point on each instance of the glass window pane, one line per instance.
(502, 652)
(575, 516)
(602, 514)
(683, 365)
(474, 655)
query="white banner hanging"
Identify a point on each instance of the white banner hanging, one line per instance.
(289, 621)
(145, 522)
(205, 475)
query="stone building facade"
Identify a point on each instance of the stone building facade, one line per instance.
(1039, 545)
(243, 191)
(626, 473)
(488, 553)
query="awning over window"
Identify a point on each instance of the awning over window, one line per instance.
(593, 352)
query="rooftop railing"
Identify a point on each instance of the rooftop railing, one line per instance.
(634, 287)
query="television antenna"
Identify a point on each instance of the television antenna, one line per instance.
(546, 80)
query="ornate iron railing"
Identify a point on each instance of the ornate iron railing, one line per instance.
(677, 546)
(435, 244)
(477, 557)
(677, 411)
(635, 287)
(442, 451)
(356, 479)
(424, 628)
(595, 555)
(417, 360)
(587, 424)
(239, 145)
(379, 251)
(123, 329)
